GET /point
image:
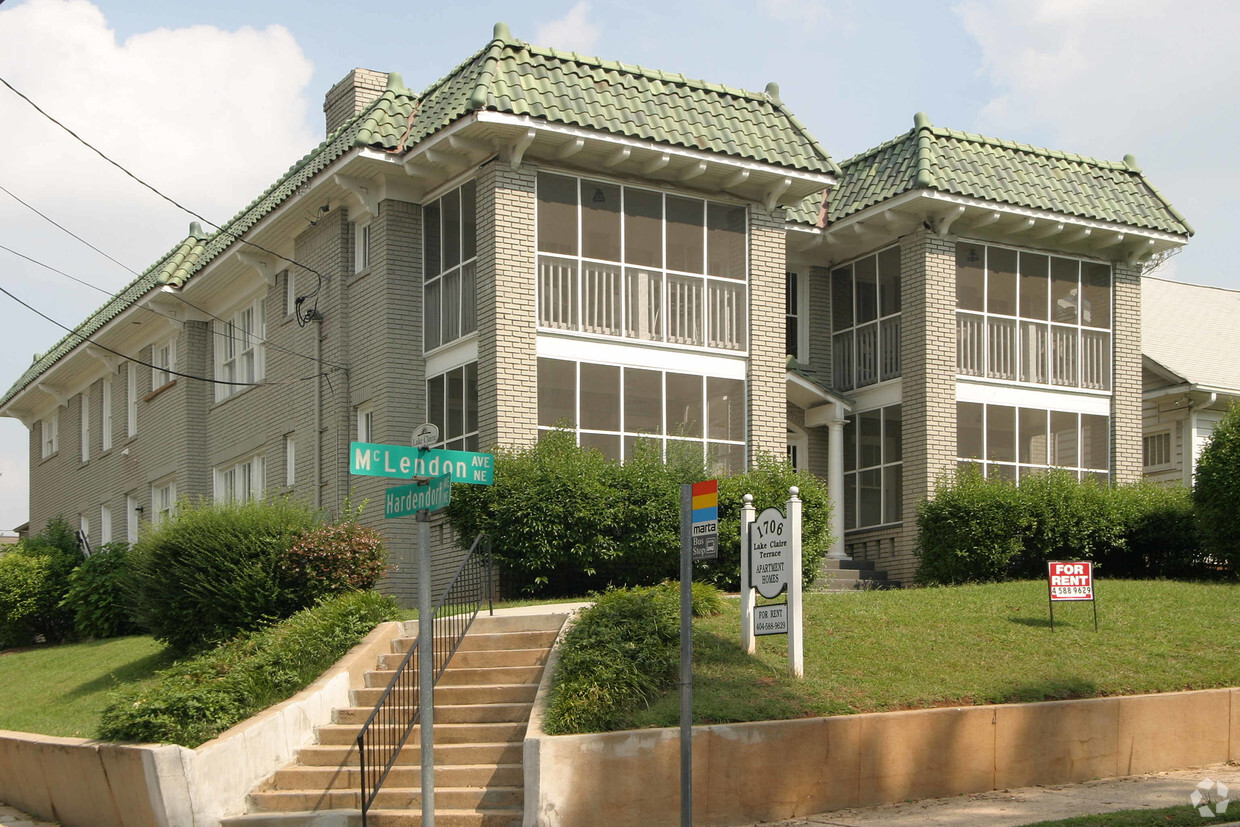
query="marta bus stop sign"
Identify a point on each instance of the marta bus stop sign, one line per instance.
(704, 524)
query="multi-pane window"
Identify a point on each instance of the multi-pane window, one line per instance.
(163, 500)
(239, 351)
(105, 420)
(611, 408)
(1032, 318)
(865, 320)
(365, 423)
(638, 264)
(1156, 450)
(50, 430)
(873, 468)
(450, 248)
(164, 360)
(452, 406)
(362, 253)
(792, 315)
(240, 481)
(131, 398)
(85, 422)
(1012, 442)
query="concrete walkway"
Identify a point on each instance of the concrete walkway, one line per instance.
(1010, 808)
(13, 817)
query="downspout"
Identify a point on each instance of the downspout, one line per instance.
(318, 413)
(1189, 448)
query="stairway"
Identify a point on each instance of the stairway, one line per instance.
(482, 707)
(850, 576)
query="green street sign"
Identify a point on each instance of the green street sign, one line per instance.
(370, 459)
(403, 500)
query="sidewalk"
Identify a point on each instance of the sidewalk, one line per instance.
(1010, 808)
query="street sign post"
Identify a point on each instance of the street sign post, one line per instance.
(439, 469)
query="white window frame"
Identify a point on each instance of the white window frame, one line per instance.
(49, 432)
(163, 500)
(84, 525)
(460, 279)
(240, 354)
(105, 525)
(131, 399)
(886, 468)
(361, 244)
(85, 412)
(163, 360)
(799, 293)
(105, 418)
(1158, 466)
(131, 518)
(290, 460)
(242, 480)
(290, 293)
(366, 423)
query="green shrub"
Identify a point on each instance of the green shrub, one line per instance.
(621, 653)
(1065, 519)
(333, 559)
(1160, 536)
(197, 699)
(34, 578)
(100, 596)
(213, 570)
(1216, 492)
(971, 531)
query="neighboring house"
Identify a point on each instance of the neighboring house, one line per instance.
(543, 238)
(1191, 375)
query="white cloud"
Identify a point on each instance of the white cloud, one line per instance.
(571, 32)
(808, 14)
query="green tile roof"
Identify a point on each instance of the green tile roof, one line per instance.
(1005, 172)
(631, 101)
(515, 77)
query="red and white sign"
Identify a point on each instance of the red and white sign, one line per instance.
(1071, 581)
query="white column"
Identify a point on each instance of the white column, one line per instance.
(747, 598)
(835, 484)
(796, 645)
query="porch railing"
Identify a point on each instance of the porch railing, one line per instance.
(384, 734)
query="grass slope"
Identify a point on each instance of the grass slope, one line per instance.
(876, 651)
(60, 690)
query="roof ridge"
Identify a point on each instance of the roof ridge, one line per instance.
(1030, 149)
(874, 150)
(773, 97)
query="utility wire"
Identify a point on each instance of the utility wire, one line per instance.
(167, 198)
(77, 332)
(129, 269)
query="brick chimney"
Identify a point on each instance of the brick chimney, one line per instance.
(358, 90)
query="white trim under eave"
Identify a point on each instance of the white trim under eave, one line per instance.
(821, 180)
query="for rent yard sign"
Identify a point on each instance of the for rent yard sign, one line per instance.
(1070, 582)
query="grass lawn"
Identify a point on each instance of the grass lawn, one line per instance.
(1180, 816)
(60, 690)
(916, 648)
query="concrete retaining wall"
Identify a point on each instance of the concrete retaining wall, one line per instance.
(84, 783)
(744, 773)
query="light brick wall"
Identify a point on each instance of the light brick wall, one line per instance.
(1126, 403)
(507, 267)
(768, 364)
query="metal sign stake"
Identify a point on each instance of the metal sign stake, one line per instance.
(686, 656)
(426, 665)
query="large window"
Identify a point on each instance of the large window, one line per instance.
(611, 407)
(50, 430)
(865, 320)
(1012, 442)
(637, 264)
(1032, 318)
(452, 406)
(450, 247)
(240, 481)
(163, 500)
(239, 355)
(164, 360)
(873, 468)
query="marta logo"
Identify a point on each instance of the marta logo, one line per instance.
(1210, 793)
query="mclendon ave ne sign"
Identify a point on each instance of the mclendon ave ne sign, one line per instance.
(370, 459)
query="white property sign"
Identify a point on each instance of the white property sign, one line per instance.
(771, 619)
(770, 559)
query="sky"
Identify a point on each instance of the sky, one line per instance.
(211, 102)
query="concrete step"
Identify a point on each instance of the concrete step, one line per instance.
(493, 640)
(454, 714)
(517, 623)
(479, 658)
(831, 564)
(484, 676)
(452, 798)
(516, 693)
(492, 817)
(339, 755)
(348, 778)
(485, 733)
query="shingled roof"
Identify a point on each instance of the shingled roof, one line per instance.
(1005, 172)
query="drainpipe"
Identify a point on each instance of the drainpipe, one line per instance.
(1189, 447)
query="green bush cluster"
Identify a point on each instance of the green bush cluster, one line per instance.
(34, 579)
(199, 698)
(621, 653)
(565, 520)
(1216, 492)
(985, 530)
(100, 594)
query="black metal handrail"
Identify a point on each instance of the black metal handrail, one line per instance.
(397, 711)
